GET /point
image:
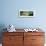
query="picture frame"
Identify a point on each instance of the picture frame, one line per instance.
(27, 13)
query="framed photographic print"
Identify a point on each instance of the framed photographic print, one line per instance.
(26, 13)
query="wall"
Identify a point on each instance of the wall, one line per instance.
(10, 9)
(9, 13)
